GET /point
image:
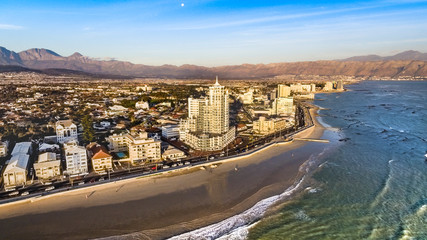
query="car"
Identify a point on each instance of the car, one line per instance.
(101, 179)
(49, 188)
(212, 158)
(81, 183)
(13, 193)
(25, 193)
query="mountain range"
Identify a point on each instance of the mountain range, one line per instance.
(409, 63)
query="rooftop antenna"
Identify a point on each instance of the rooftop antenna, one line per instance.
(216, 83)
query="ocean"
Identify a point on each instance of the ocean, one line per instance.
(370, 182)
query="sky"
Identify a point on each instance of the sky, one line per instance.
(214, 32)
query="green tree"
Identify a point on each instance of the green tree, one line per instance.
(88, 131)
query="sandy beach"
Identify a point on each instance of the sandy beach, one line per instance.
(161, 206)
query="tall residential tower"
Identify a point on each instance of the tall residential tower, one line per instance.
(208, 126)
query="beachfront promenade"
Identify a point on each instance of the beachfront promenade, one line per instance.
(267, 141)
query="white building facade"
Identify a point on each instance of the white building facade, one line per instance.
(283, 106)
(16, 170)
(66, 130)
(208, 127)
(140, 148)
(75, 159)
(48, 166)
(170, 131)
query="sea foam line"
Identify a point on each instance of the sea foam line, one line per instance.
(249, 216)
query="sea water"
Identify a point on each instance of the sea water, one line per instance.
(374, 184)
(370, 183)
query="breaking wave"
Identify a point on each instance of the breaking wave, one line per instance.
(237, 227)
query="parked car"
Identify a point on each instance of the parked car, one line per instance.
(25, 193)
(13, 193)
(49, 188)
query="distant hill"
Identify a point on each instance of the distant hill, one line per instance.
(403, 56)
(409, 63)
(59, 72)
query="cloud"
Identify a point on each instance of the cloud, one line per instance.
(10, 27)
(274, 18)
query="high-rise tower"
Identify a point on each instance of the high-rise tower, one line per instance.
(208, 125)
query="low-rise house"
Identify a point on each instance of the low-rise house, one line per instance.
(117, 110)
(46, 147)
(172, 153)
(48, 166)
(142, 105)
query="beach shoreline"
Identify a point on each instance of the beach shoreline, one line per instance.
(162, 206)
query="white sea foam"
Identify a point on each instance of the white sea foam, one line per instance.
(314, 190)
(379, 198)
(302, 215)
(422, 209)
(320, 120)
(239, 224)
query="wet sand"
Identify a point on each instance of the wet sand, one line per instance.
(161, 206)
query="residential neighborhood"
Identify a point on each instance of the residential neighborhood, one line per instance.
(74, 132)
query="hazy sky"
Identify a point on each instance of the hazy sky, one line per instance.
(212, 33)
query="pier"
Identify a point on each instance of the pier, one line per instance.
(312, 140)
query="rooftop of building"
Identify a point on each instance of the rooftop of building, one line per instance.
(19, 161)
(65, 123)
(21, 148)
(46, 157)
(98, 151)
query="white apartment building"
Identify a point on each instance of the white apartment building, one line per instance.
(283, 106)
(266, 126)
(140, 147)
(48, 166)
(194, 106)
(75, 159)
(283, 91)
(247, 97)
(303, 88)
(208, 127)
(340, 85)
(170, 131)
(328, 86)
(66, 130)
